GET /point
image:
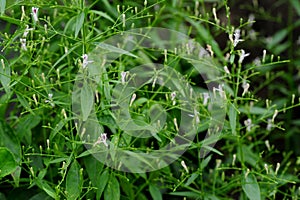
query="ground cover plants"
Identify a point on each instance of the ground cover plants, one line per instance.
(149, 99)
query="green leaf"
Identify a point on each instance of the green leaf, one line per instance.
(251, 187)
(155, 193)
(114, 49)
(39, 196)
(57, 128)
(296, 6)
(232, 118)
(79, 23)
(87, 100)
(46, 187)
(16, 176)
(193, 177)
(2, 6)
(74, 181)
(9, 140)
(26, 123)
(5, 74)
(8, 163)
(94, 168)
(102, 14)
(112, 190)
(102, 182)
(205, 162)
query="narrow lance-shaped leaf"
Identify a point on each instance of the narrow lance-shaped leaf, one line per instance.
(251, 187)
(74, 181)
(87, 100)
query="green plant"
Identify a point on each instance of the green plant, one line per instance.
(43, 143)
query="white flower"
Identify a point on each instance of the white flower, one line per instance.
(173, 96)
(34, 12)
(132, 99)
(226, 70)
(277, 168)
(205, 98)
(23, 44)
(274, 115)
(184, 166)
(270, 125)
(245, 87)
(123, 77)
(220, 90)
(243, 55)
(102, 139)
(248, 124)
(50, 100)
(27, 29)
(237, 35)
(85, 61)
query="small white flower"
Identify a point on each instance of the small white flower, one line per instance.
(184, 166)
(173, 96)
(220, 90)
(85, 61)
(248, 124)
(277, 168)
(102, 139)
(123, 77)
(245, 87)
(270, 125)
(226, 70)
(176, 125)
(195, 116)
(274, 115)
(233, 159)
(27, 29)
(132, 99)
(34, 12)
(237, 35)
(243, 55)
(266, 168)
(267, 143)
(23, 44)
(50, 100)
(205, 98)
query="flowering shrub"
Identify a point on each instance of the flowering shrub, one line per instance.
(155, 99)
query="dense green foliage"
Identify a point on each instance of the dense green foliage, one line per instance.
(253, 47)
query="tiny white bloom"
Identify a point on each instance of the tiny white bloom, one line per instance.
(220, 90)
(266, 168)
(102, 139)
(226, 70)
(184, 166)
(23, 44)
(277, 168)
(34, 12)
(267, 143)
(245, 87)
(233, 159)
(205, 98)
(270, 125)
(248, 124)
(85, 61)
(27, 29)
(123, 77)
(132, 99)
(274, 115)
(176, 125)
(237, 35)
(50, 100)
(243, 55)
(173, 96)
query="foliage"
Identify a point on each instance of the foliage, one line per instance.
(42, 153)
